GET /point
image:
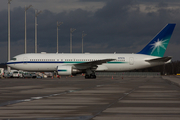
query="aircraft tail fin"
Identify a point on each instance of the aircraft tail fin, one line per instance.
(157, 46)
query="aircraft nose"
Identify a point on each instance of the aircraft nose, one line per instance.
(9, 63)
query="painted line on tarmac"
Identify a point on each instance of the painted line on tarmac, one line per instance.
(115, 101)
(52, 95)
(60, 118)
(41, 97)
(36, 98)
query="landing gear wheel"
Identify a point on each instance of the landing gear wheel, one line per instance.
(94, 76)
(87, 76)
(90, 76)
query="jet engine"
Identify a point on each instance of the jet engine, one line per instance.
(67, 70)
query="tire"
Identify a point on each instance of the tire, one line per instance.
(87, 76)
(94, 76)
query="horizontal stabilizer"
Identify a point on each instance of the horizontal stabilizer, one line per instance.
(162, 59)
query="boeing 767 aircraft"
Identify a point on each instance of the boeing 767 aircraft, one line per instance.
(76, 63)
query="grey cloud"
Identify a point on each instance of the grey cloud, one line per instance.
(113, 9)
(162, 5)
(94, 0)
(157, 1)
(119, 26)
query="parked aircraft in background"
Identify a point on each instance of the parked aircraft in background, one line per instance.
(76, 63)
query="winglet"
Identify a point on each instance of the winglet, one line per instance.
(157, 46)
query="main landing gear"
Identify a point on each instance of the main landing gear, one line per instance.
(90, 74)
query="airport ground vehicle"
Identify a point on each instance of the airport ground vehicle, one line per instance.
(20, 74)
(15, 74)
(29, 75)
(8, 74)
(1, 71)
(26, 75)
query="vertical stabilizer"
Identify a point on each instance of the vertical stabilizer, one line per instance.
(157, 46)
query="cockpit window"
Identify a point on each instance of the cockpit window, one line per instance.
(13, 58)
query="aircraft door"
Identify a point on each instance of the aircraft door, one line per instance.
(131, 61)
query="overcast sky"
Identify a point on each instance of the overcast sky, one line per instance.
(122, 26)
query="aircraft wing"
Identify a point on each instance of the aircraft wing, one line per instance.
(162, 59)
(91, 64)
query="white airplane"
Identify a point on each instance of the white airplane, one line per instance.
(76, 63)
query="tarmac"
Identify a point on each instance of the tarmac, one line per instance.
(104, 98)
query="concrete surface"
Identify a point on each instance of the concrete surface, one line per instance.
(76, 98)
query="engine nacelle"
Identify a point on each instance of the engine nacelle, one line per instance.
(67, 70)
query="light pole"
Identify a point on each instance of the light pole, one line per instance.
(58, 24)
(71, 31)
(83, 35)
(36, 14)
(9, 2)
(25, 49)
